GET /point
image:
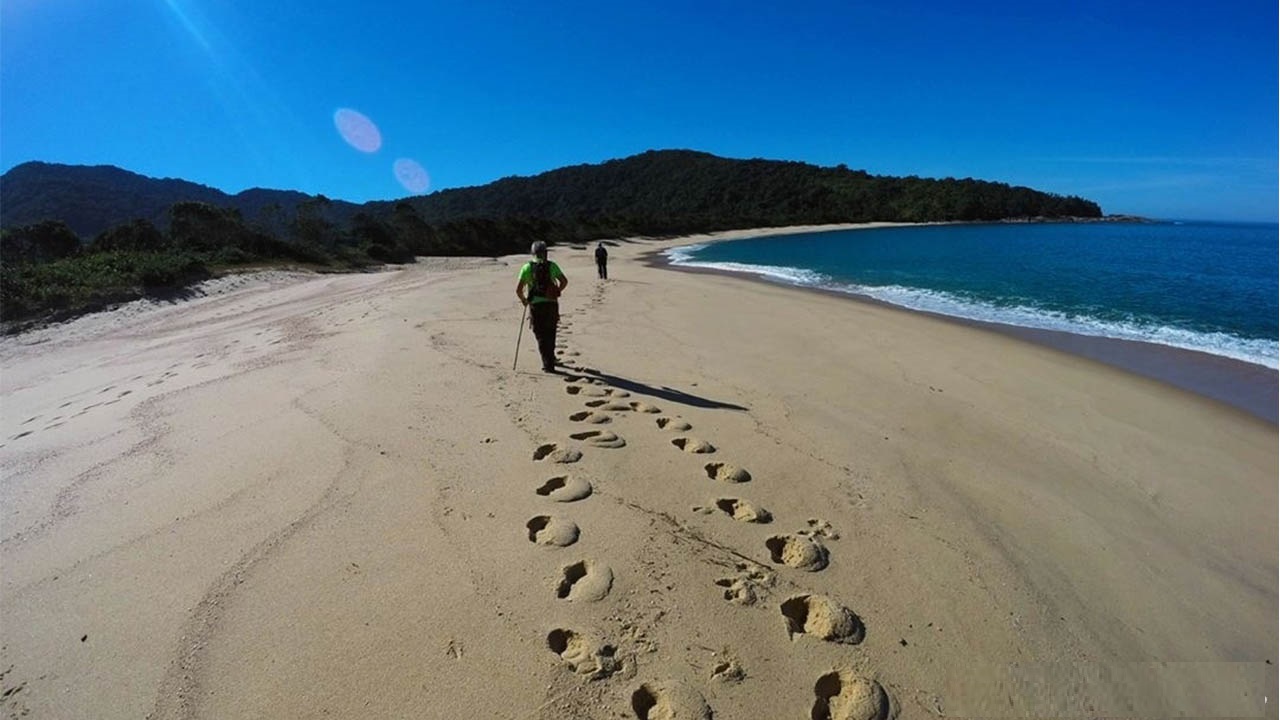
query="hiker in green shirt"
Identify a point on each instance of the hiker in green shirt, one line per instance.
(544, 282)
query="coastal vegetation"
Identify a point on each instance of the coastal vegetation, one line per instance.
(74, 238)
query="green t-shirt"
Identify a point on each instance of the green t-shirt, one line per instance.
(526, 277)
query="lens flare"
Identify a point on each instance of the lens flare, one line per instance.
(411, 175)
(358, 130)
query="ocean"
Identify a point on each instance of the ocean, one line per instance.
(1203, 286)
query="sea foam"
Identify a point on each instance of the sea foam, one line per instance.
(1252, 350)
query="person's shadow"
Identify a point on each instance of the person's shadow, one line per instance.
(665, 393)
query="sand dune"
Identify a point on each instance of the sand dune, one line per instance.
(310, 496)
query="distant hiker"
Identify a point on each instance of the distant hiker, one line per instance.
(545, 281)
(602, 260)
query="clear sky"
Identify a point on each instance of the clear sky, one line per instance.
(1166, 109)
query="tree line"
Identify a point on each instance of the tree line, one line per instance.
(47, 271)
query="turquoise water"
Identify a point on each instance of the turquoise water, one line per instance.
(1202, 286)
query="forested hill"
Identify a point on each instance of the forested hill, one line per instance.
(661, 191)
(684, 191)
(91, 199)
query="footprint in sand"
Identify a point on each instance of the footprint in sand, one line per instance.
(669, 700)
(644, 407)
(797, 551)
(739, 509)
(843, 695)
(551, 530)
(556, 454)
(615, 406)
(823, 618)
(585, 581)
(674, 424)
(728, 670)
(589, 416)
(565, 488)
(747, 587)
(583, 655)
(725, 472)
(607, 404)
(820, 528)
(693, 445)
(87, 408)
(600, 439)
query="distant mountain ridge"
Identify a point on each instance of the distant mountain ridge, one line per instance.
(93, 198)
(659, 191)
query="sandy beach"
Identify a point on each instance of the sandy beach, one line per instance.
(311, 496)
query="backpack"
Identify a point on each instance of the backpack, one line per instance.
(542, 285)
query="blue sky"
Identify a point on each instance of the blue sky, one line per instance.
(1161, 109)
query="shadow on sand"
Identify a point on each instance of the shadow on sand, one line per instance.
(639, 388)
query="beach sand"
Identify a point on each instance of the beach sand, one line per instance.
(331, 496)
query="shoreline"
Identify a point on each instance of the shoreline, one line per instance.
(1242, 385)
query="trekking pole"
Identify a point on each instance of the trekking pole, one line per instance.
(518, 336)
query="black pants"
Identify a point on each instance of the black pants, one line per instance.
(604, 271)
(543, 318)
